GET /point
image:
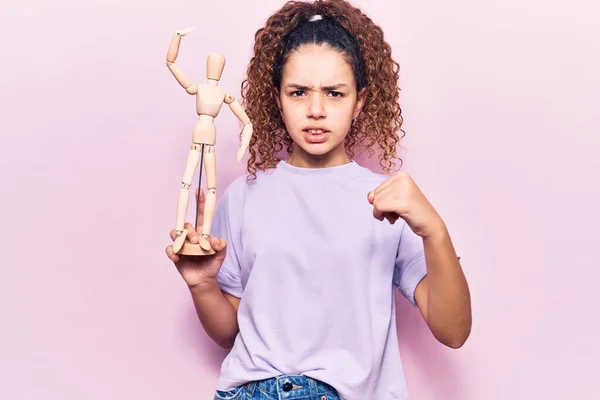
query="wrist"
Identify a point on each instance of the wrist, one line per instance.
(437, 232)
(204, 286)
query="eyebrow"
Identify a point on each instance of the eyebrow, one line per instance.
(328, 88)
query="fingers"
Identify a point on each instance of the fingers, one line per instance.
(384, 185)
(191, 233)
(192, 236)
(381, 215)
(371, 199)
(172, 256)
(218, 244)
(391, 217)
(200, 200)
(377, 213)
(187, 230)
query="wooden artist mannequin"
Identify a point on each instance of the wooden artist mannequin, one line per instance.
(209, 99)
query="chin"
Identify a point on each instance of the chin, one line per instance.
(321, 151)
(318, 150)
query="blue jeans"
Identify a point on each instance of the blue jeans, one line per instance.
(280, 388)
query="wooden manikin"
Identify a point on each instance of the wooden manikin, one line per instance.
(209, 99)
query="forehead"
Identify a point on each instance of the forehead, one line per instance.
(317, 65)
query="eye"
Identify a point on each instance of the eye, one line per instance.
(336, 94)
(297, 93)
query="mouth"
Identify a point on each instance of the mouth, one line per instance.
(315, 131)
(316, 135)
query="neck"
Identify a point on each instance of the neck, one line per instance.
(302, 159)
(213, 82)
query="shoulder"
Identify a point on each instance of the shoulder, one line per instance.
(367, 176)
(236, 190)
(237, 186)
(243, 184)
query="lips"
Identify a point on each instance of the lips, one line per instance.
(315, 131)
(316, 135)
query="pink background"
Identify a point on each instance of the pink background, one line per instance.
(500, 101)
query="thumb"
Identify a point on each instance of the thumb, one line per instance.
(371, 197)
(220, 246)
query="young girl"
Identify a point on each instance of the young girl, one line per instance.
(310, 249)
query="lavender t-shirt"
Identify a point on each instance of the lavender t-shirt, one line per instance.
(315, 272)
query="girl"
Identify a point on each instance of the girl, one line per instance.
(309, 249)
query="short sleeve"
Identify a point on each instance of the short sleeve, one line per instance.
(226, 225)
(410, 266)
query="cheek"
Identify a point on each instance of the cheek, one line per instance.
(292, 114)
(342, 117)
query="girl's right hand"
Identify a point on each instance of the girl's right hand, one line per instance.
(198, 270)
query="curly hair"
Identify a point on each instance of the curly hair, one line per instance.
(380, 121)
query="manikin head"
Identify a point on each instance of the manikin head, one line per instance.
(215, 62)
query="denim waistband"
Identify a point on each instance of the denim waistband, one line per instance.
(291, 387)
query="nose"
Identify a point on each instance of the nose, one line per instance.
(316, 106)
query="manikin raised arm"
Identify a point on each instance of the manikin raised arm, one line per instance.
(177, 72)
(239, 112)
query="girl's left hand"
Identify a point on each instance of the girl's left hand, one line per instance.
(400, 197)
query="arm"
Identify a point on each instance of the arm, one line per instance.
(207, 275)
(217, 295)
(443, 295)
(217, 312)
(239, 112)
(183, 80)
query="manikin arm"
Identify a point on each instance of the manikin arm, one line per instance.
(183, 80)
(239, 112)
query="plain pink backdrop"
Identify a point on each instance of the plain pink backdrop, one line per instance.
(500, 101)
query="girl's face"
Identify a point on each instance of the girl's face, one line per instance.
(318, 102)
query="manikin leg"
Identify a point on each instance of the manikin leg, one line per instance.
(184, 194)
(211, 194)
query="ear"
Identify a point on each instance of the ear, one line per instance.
(360, 102)
(278, 101)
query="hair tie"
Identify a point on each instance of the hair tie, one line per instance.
(315, 18)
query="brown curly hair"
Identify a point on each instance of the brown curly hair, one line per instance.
(380, 121)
